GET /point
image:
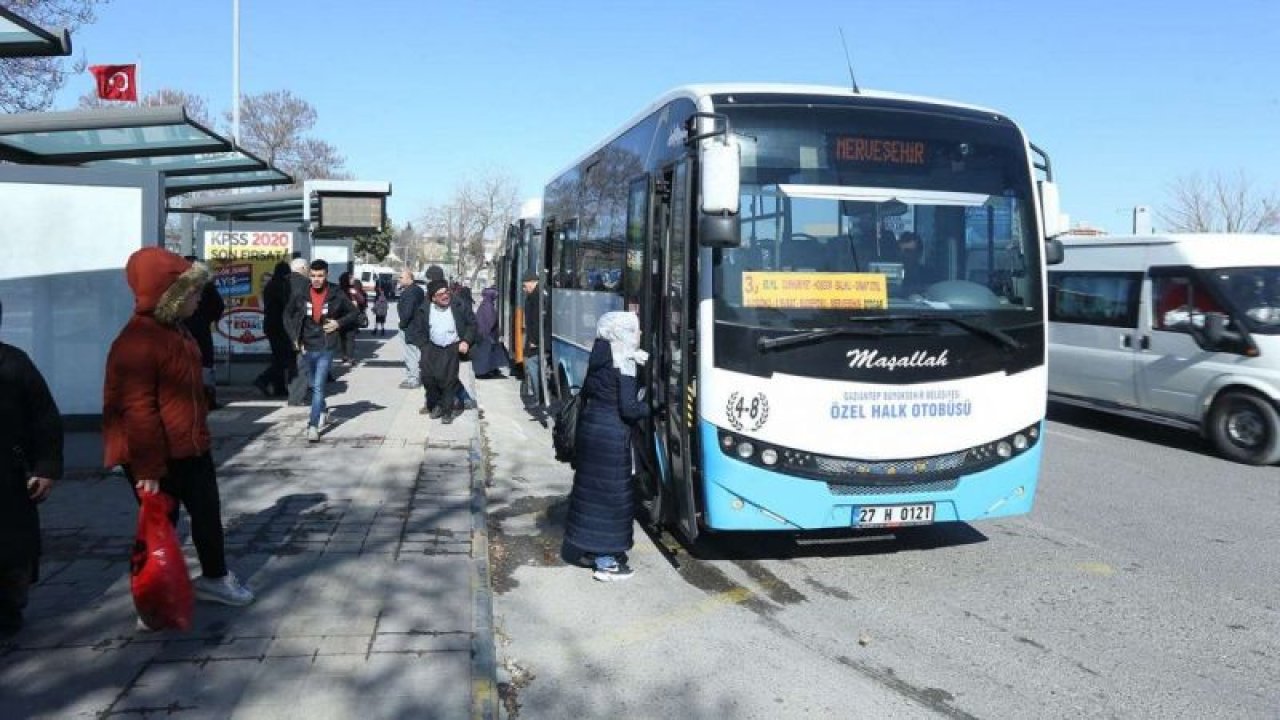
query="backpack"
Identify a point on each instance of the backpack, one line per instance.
(564, 433)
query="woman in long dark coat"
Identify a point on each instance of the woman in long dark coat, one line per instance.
(488, 357)
(30, 461)
(602, 505)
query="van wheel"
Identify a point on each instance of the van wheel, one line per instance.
(1245, 428)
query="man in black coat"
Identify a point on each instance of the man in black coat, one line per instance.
(531, 389)
(411, 298)
(200, 325)
(448, 332)
(274, 381)
(461, 302)
(30, 462)
(299, 282)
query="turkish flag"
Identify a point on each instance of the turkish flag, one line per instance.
(116, 82)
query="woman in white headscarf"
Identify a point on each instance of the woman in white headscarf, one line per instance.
(602, 505)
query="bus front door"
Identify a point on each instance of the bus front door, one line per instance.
(674, 366)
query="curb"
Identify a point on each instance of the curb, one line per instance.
(484, 683)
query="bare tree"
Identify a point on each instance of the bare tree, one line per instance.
(492, 202)
(475, 217)
(1220, 204)
(29, 84)
(274, 126)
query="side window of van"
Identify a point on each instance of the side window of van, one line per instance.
(1095, 298)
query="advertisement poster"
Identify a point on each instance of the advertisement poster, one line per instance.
(242, 262)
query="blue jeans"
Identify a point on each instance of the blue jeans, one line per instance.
(318, 363)
(412, 359)
(532, 395)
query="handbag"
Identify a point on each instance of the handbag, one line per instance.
(364, 319)
(158, 577)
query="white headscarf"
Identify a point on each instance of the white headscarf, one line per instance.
(622, 331)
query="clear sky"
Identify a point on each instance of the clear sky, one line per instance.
(1125, 96)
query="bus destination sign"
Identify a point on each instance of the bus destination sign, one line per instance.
(882, 153)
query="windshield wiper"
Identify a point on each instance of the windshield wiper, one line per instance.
(1000, 337)
(996, 335)
(772, 343)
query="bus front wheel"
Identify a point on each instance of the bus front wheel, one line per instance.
(1245, 427)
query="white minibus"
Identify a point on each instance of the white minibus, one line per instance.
(1182, 330)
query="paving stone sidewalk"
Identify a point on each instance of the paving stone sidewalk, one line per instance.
(366, 552)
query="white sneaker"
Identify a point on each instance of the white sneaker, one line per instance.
(226, 590)
(614, 573)
(313, 433)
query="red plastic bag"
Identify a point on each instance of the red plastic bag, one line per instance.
(159, 581)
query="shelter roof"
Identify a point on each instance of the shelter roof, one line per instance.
(19, 37)
(162, 138)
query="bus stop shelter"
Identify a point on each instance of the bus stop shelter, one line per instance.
(79, 192)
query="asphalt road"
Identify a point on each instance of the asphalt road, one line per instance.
(1142, 585)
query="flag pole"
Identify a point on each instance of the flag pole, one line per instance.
(235, 71)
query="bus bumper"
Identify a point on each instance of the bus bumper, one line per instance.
(742, 496)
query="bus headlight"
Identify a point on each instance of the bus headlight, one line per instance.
(1020, 442)
(769, 456)
(726, 441)
(745, 450)
(1004, 449)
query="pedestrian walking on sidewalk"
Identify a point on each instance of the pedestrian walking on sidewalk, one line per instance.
(315, 322)
(274, 381)
(602, 504)
(154, 412)
(449, 333)
(347, 335)
(379, 311)
(462, 304)
(488, 357)
(30, 462)
(411, 298)
(200, 324)
(299, 286)
(531, 388)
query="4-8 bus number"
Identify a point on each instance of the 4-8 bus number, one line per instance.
(753, 411)
(745, 412)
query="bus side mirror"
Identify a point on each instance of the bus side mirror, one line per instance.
(720, 167)
(1051, 209)
(1054, 253)
(1215, 329)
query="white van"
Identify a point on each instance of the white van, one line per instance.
(373, 276)
(1178, 329)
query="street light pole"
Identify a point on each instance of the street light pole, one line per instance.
(235, 71)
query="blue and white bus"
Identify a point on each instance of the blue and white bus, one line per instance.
(843, 297)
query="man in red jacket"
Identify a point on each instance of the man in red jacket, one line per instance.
(154, 409)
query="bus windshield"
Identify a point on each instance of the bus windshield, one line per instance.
(856, 211)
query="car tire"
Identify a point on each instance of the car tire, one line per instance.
(1245, 427)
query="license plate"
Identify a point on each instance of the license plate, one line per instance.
(892, 515)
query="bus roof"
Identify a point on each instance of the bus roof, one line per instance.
(700, 94)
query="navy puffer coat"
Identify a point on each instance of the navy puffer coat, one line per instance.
(601, 505)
